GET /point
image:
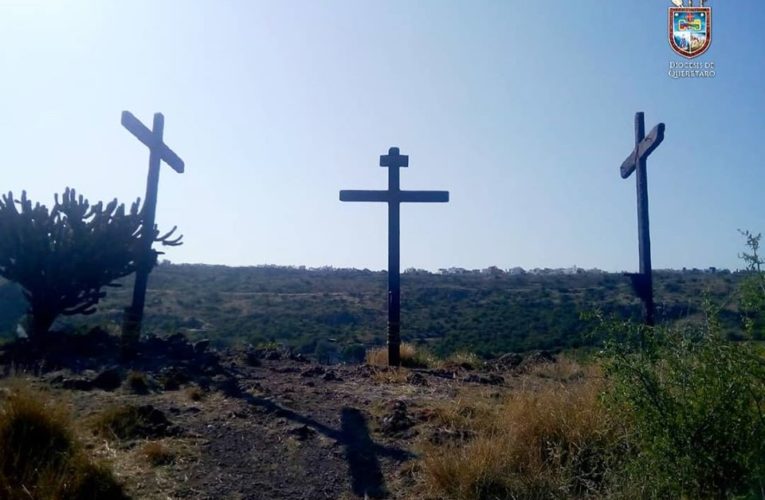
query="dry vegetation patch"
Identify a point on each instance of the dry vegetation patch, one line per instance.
(124, 422)
(158, 453)
(553, 441)
(41, 456)
(138, 382)
(411, 356)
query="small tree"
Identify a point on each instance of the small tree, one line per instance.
(64, 257)
(752, 290)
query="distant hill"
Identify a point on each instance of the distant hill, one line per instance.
(488, 312)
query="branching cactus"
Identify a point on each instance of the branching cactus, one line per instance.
(64, 257)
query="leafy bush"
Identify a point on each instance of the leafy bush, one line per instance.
(63, 257)
(694, 402)
(752, 288)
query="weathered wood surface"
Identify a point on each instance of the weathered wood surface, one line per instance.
(152, 140)
(158, 152)
(642, 282)
(645, 148)
(394, 197)
(399, 197)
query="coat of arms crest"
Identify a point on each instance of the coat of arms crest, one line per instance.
(690, 28)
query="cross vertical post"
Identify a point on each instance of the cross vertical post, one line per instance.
(158, 151)
(394, 197)
(394, 256)
(642, 282)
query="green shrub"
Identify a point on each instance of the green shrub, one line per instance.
(82, 248)
(752, 289)
(694, 402)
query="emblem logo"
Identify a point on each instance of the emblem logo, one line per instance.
(690, 28)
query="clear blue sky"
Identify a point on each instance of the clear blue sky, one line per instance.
(523, 110)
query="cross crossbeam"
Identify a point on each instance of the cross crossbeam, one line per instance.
(641, 152)
(158, 152)
(396, 197)
(393, 196)
(153, 138)
(642, 282)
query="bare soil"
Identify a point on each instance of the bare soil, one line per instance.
(252, 424)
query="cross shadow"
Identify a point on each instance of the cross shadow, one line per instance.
(361, 452)
(366, 476)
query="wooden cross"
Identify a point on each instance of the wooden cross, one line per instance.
(158, 152)
(636, 161)
(394, 197)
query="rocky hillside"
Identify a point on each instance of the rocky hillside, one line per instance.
(185, 421)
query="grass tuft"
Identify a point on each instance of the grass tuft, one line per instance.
(157, 453)
(549, 443)
(137, 382)
(41, 457)
(124, 422)
(462, 359)
(195, 393)
(411, 357)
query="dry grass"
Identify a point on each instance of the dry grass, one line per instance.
(555, 442)
(565, 370)
(411, 357)
(461, 359)
(195, 393)
(41, 457)
(157, 453)
(138, 382)
(391, 375)
(125, 422)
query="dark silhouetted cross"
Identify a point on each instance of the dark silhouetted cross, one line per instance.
(636, 161)
(394, 197)
(158, 152)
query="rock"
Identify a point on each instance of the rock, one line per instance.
(108, 380)
(448, 374)
(285, 369)
(252, 358)
(535, 358)
(272, 355)
(313, 372)
(490, 379)
(172, 377)
(299, 358)
(398, 420)
(301, 432)
(330, 375)
(77, 384)
(442, 436)
(178, 346)
(540, 357)
(227, 385)
(509, 360)
(201, 346)
(415, 378)
(144, 421)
